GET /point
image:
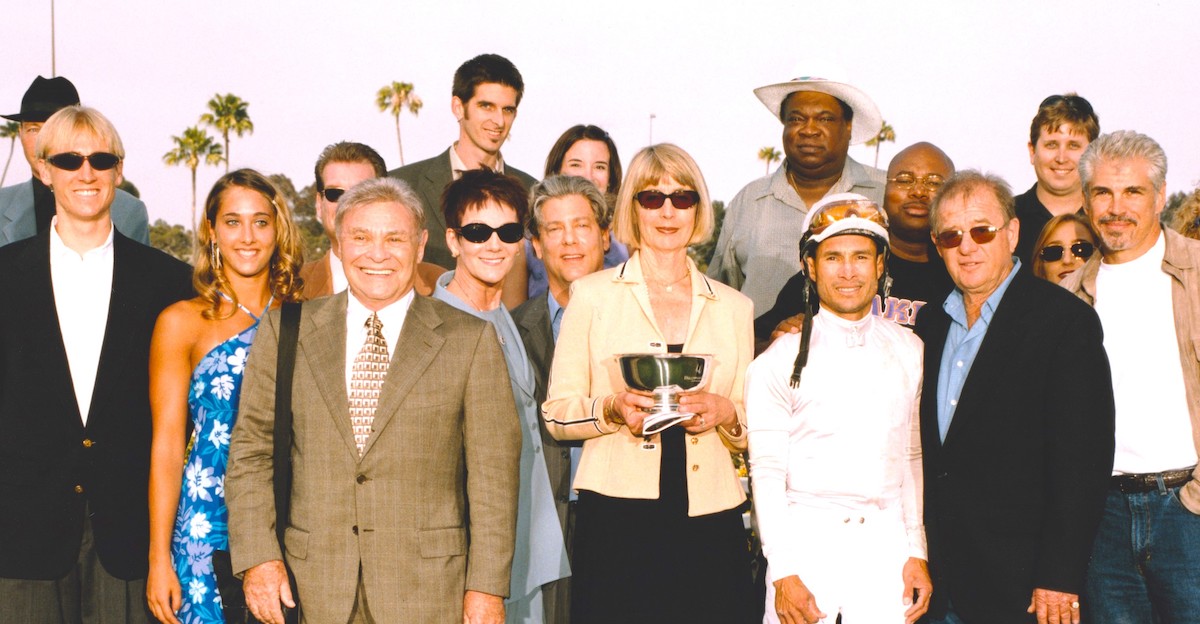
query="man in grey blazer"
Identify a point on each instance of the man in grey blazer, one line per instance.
(378, 529)
(568, 220)
(26, 208)
(486, 92)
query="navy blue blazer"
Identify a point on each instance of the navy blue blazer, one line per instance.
(51, 464)
(1014, 495)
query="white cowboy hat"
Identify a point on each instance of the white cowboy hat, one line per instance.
(829, 79)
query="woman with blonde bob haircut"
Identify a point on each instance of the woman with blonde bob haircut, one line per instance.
(658, 534)
(247, 261)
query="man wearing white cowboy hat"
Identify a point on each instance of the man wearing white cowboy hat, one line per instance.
(836, 469)
(822, 116)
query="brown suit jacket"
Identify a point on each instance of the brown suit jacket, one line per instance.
(444, 437)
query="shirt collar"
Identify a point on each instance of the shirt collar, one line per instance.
(392, 316)
(956, 308)
(59, 249)
(457, 166)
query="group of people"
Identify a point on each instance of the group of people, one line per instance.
(958, 406)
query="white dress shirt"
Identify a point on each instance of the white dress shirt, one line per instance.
(847, 439)
(82, 291)
(338, 274)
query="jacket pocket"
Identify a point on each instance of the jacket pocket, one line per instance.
(295, 542)
(443, 542)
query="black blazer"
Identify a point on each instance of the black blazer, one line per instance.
(50, 463)
(429, 179)
(533, 322)
(1014, 495)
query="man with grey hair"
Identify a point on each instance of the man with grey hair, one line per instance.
(568, 220)
(1016, 422)
(402, 418)
(1145, 286)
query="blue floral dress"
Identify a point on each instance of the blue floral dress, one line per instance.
(201, 525)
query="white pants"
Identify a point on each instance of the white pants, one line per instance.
(852, 562)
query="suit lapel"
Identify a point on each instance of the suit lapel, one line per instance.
(126, 298)
(539, 342)
(16, 215)
(43, 311)
(995, 354)
(323, 344)
(437, 177)
(933, 327)
(419, 343)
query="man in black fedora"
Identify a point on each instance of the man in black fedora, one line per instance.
(26, 208)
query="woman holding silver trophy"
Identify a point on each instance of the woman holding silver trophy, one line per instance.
(658, 534)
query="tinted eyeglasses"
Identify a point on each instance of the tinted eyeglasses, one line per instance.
(1053, 253)
(681, 200)
(833, 212)
(981, 234)
(482, 232)
(333, 194)
(72, 161)
(931, 182)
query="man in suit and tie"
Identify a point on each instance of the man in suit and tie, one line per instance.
(1016, 422)
(568, 220)
(378, 529)
(82, 300)
(27, 208)
(486, 92)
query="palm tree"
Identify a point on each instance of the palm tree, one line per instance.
(10, 131)
(394, 98)
(886, 133)
(195, 145)
(228, 113)
(771, 155)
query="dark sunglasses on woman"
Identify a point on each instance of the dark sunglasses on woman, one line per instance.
(481, 232)
(72, 161)
(1053, 253)
(681, 200)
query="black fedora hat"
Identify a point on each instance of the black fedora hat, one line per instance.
(45, 97)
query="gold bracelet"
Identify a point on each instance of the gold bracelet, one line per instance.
(610, 414)
(734, 432)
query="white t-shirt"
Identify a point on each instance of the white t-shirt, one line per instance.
(1154, 428)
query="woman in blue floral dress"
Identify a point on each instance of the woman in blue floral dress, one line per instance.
(248, 259)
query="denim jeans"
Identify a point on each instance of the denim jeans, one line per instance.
(1145, 564)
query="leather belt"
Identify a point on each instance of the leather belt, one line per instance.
(1148, 482)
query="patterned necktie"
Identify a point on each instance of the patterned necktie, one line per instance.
(366, 379)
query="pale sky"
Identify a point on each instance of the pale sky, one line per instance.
(967, 76)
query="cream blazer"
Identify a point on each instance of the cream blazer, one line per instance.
(610, 315)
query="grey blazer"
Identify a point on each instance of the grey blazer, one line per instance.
(444, 437)
(429, 178)
(17, 219)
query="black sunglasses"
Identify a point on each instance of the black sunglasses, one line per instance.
(72, 161)
(482, 232)
(981, 234)
(333, 194)
(1053, 253)
(681, 200)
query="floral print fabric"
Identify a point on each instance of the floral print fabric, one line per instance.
(201, 523)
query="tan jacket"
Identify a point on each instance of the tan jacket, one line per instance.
(610, 315)
(1182, 262)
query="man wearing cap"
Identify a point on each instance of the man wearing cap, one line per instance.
(835, 440)
(1145, 285)
(917, 273)
(1061, 130)
(822, 116)
(1016, 423)
(27, 208)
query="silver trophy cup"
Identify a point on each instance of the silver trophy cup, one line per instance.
(665, 375)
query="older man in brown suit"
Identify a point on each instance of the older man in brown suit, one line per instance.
(378, 529)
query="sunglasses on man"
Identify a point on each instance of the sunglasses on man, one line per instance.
(1053, 253)
(333, 194)
(72, 161)
(482, 232)
(981, 234)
